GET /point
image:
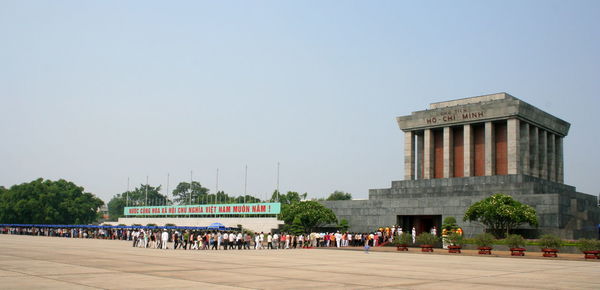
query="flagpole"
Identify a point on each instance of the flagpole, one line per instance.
(127, 193)
(146, 202)
(245, 182)
(191, 183)
(217, 186)
(167, 195)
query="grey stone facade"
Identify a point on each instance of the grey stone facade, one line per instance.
(561, 209)
(532, 156)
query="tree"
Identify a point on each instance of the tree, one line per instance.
(296, 227)
(246, 199)
(48, 202)
(340, 195)
(288, 198)
(450, 224)
(222, 197)
(182, 195)
(144, 195)
(343, 225)
(311, 214)
(116, 207)
(500, 213)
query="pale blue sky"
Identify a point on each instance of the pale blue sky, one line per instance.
(99, 91)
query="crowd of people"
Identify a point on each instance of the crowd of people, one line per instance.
(230, 240)
(221, 240)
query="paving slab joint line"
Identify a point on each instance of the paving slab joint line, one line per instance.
(50, 278)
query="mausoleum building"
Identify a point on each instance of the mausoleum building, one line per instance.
(462, 151)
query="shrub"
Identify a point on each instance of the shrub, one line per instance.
(586, 245)
(450, 224)
(403, 239)
(455, 239)
(514, 241)
(484, 240)
(550, 242)
(426, 239)
(500, 213)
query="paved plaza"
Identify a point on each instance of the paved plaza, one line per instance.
(59, 263)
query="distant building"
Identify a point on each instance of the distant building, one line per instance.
(461, 151)
(103, 210)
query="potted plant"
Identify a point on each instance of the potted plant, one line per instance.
(448, 226)
(550, 245)
(515, 243)
(426, 241)
(590, 248)
(455, 242)
(401, 242)
(484, 242)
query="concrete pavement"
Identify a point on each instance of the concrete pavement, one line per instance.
(59, 263)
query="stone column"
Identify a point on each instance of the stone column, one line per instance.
(448, 153)
(428, 154)
(525, 148)
(420, 155)
(409, 155)
(534, 152)
(513, 146)
(551, 157)
(490, 157)
(559, 160)
(543, 139)
(469, 152)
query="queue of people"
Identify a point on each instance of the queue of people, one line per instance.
(218, 240)
(186, 239)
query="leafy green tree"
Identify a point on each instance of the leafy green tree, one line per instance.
(450, 224)
(48, 202)
(343, 225)
(340, 195)
(222, 198)
(296, 227)
(116, 207)
(246, 199)
(140, 196)
(500, 213)
(182, 194)
(288, 198)
(311, 214)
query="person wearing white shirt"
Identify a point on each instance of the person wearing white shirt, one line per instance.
(257, 241)
(164, 239)
(225, 240)
(287, 241)
(261, 238)
(269, 241)
(231, 241)
(275, 241)
(238, 240)
(338, 238)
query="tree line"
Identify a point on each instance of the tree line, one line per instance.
(194, 193)
(44, 201)
(48, 202)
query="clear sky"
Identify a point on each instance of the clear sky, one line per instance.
(99, 91)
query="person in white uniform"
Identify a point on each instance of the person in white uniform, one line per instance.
(164, 239)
